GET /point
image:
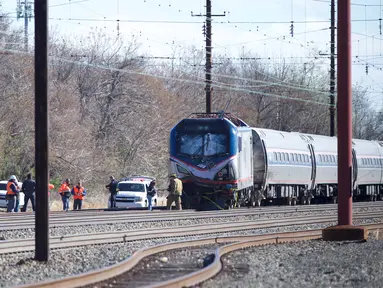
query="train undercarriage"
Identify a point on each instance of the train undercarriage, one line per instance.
(207, 198)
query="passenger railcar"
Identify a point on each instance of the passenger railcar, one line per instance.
(224, 162)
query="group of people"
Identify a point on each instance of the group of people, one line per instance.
(77, 191)
(13, 193)
(29, 188)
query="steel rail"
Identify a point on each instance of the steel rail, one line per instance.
(264, 209)
(25, 245)
(23, 222)
(236, 242)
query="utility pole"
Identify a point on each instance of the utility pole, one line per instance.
(208, 65)
(24, 10)
(344, 231)
(41, 135)
(332, 71)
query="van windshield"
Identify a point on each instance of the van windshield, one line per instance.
(131, 187)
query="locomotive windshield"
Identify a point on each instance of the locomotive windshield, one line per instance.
(202, 140)
(203, 145)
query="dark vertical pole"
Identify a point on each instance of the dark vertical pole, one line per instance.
(332, 71)
(344, 113)
(208, 56)
(26, 25)
(41, 128)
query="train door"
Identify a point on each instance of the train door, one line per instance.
(266, 162)
(354, 169)
(313, 165)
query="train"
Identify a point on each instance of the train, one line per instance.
(224, 163)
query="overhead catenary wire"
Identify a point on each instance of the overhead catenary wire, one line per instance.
(201, 22)
(171, 78)
(235, 22)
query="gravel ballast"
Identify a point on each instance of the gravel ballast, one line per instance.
(314, 263)
(18, 269)
(112, 227)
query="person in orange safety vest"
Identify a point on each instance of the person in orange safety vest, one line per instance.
(13, 191)
(78, 193)
(64, 191)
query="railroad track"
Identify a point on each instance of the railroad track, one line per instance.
(61, 219)
(122, 274)
(24, 245)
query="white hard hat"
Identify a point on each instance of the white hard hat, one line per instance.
(13, 177)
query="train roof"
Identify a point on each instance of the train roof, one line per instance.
(275, 139)
(216, 115)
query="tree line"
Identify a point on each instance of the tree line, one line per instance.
(111, 110)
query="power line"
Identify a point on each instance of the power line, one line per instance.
(173, 78)
(199, 22)
(353, 4)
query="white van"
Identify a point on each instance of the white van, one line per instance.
(3, 192)
(132, 192)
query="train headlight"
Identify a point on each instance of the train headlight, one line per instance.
(225, 173)
(138, 199)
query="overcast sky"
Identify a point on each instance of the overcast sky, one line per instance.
(79, 17)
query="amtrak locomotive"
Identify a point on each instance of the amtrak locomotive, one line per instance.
(224, 163)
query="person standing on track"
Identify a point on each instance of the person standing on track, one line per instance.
(151, 191)
(28, 188)
(65, 194)
(112, 186)
(78, 193)
(12, 192)
(175, 192)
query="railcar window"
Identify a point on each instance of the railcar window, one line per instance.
(275, 156)
(287, 157)
(3, 186)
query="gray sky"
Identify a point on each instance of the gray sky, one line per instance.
(79, 17)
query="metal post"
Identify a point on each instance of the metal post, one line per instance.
(332, 71)
(344, 101)
(208, 56)
(41, 128)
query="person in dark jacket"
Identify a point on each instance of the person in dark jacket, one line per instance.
(112, 186)
(28, 188)
(151, 192)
